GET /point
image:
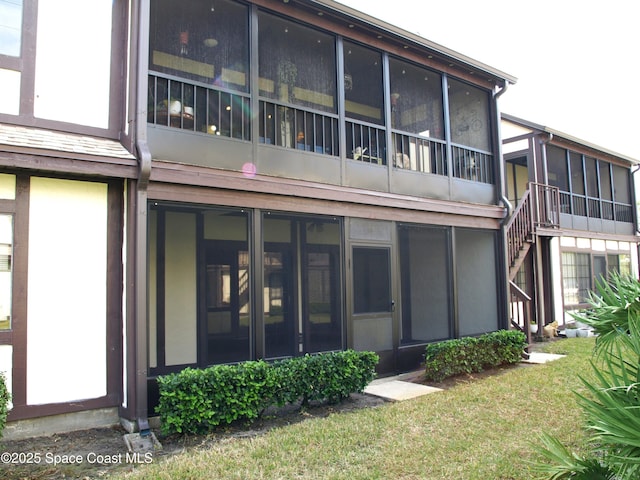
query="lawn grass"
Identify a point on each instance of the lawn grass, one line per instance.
(480, 429)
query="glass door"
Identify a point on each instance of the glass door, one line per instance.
(321, 307)
(227, 303)
(301, 285)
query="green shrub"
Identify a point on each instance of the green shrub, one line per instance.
(5, 398)
(334, 376)
(611, 402)
(196, 401)
(470, 354)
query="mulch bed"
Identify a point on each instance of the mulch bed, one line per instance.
(94, 453)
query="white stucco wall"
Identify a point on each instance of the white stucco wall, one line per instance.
(6, 366)
(73, 61)
(556, 279)
(67, 291)
(10, 100)
(180, 289)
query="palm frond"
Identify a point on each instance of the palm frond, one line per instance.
(564, 464)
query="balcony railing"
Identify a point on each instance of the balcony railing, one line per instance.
(289, 127)
(470, 164)
(366, 142)
(201, 108)
(198, 108)
(419, 154)
(592, 207)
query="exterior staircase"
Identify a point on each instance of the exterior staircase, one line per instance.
(538, 209)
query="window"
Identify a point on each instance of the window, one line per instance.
(416, 99)
(621, 192)
(599, 268)
(297, 64)
(576, 277)
(11, 12)
(476, 258)
(199, 286)
(605, 180)
(6, 269)
(371, 280)
(624, 264)
(416, 108)
(577, 175)
(606, 192)
(592, 177)
(203, 41)
(619, 264)
(206, 44)
(364, 102)
(10, 27)
(593, 190)
(557, 168)
(425, 263)
(578, 200)
(363, 84)
(469, 113)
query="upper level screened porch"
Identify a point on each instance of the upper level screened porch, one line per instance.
(595, 187)
(387, 115)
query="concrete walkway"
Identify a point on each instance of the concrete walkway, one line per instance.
(539, 357)
(397, 388)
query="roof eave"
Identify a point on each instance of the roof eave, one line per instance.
(498, 75)
(569, 138)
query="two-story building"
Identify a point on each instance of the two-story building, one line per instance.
(64, 168)
(209, 182)
(574, 221)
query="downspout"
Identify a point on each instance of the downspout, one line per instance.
(140, 222)
(501, 180)
(635, 210)
(633, 196)
(545, 169)
(507, 204)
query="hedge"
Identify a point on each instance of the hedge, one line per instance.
(198, 400)
(5, 398)
(473, 354)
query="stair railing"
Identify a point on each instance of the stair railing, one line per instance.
(520, 310)
(519, 227)
(546, 205)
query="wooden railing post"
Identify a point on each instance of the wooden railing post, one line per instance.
(520, 305)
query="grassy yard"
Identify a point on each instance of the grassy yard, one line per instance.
(476, 430)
